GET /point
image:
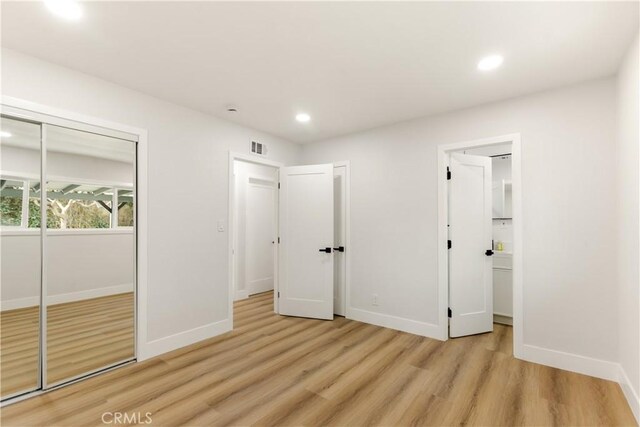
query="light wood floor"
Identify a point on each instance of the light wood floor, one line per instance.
(81, 336)
(274, 370)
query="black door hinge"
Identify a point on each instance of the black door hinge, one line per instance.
(449, 312)
(448, 244)
(279, 297)
(278, 186)
(448, 173)
(278, 239)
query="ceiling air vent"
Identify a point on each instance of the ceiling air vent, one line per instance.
(258, 148)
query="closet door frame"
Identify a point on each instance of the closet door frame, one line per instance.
(43, 115)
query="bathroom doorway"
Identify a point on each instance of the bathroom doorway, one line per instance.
(480, 234)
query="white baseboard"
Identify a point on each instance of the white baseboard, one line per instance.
(14, 304)
(398, 323)
(629, 393)
(17, 303)
(183, 339)
(241, 295)
(571, 362)
(502, 319)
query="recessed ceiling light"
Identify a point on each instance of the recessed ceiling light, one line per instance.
(4, 134)
(67, 9)
(490, 62)
(303, 117)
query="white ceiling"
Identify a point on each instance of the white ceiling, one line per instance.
(351, 66)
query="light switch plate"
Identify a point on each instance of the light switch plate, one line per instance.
(221, 226)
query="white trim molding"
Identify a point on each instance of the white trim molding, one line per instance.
(241, 294)
(231, 221)
(34, 301)
(571, 362)
(347, 231)
(633, 399)
(19, 231)
(415, 327)
(185, 338)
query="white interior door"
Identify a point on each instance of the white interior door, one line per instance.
(306, 241)
(470, 263)
(340, 239)
(260, 235)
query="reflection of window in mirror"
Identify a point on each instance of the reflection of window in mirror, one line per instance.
(11, 199)
(78, 206)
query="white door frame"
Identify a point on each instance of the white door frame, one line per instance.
(233, 156)
(347, 231)
(443, 215)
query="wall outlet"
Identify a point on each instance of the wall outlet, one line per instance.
(374, 300)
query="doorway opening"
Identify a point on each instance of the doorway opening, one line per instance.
(480, 274)
(289, 235)
(254, 231)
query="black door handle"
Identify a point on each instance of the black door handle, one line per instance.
(489, 252)
(339, 249)
(327, 250)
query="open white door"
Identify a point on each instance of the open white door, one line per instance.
(470, 262)
(306, 241)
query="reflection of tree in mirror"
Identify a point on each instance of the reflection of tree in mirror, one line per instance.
(34, 215)
(71, 213)
(125, 214)
(68, 207)
(10, 210)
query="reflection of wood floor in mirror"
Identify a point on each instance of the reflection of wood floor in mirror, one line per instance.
(82, 336)
(278, 371)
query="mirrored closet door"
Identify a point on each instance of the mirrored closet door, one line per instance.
(68, 296)
(20, 241)
(89, 252)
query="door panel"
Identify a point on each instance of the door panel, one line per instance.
(306, 226)
(470, 269)
(339, 259)
(20, 268)
(90, 253)
(260, 220)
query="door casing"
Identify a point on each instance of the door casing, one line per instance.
(443, 257)
(233, 156)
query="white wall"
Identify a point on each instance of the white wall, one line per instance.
(243, 171)
(627, 239)
(568, 159)
(188, 170)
